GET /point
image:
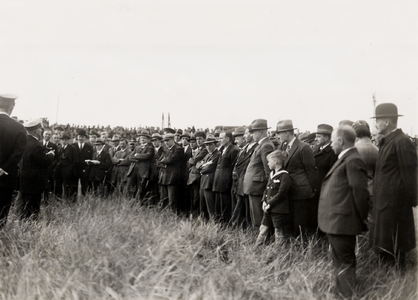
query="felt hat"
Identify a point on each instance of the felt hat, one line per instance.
(200, 134)
(185, 134)
(169, 130)
(65, 136)
(258, 124)
(324, 129)
(116, 138)
(156, 136)
(82, 132)
(99, 141)
(210, 140)
(145, 133)
(284, 125)
(386, 110)
(240, 131)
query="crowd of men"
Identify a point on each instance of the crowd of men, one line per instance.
(333, 182)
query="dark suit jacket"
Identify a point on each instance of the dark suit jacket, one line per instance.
(170, 162)
(257, 173)
(324, 160)
(187, 155)
(194, 174)
(51, 146)
(300, 164)
(240, 166)
(277, 192)
(222, 181)
(207, 168)
(99, 172)
(344, 200)
(142, 157)
(154, 171)
(12, 144)
(33, 167)
(66, 161)
(81, 167)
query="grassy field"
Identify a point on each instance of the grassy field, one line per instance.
(115, 249)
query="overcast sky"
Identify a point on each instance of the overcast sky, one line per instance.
(209, 63)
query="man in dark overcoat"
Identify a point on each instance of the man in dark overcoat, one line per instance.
(257, 173)
(84, 151)
(343, 208)
(100, 166)
(325, 158)
(64, 170)
(170, 172)
(300, 164)
(12, 145)
(207, 168)
(33, 171)
(222, 181)
(392, 232)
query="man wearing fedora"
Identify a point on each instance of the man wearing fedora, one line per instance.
(392, 232)
(139, 171)
(222, 181)
(193, 181)
(207, 168)
(170, 173)
(12, 145)
(84, 151)
(33, 171)
(257, 172)
(100, 165)
(64, 170)
(300, 164)
(121, 165)
(184, 191)
(324, 160)
(241, 211)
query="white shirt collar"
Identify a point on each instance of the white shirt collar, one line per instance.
(344, 152)
(290, 144)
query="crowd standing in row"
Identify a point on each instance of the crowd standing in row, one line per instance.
(334, 182)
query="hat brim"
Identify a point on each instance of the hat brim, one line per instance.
(255, 129)
(385, 116)
(287, 129)
(146, 135)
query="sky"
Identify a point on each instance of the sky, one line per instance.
(209, 63)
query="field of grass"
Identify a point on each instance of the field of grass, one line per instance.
(116, 249)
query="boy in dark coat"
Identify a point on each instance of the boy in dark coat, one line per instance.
(275, 201)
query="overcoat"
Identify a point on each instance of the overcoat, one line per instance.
(66, 162)
(300, 164)
(12, 144)
(170, 162)
(194, 174)
(257, 173)
(34, 166)
(344, 199)
(99, 172)
(222, 181)
(207, 167)
(142, 157)
(395, 193)
(324, 160)
(154, 169)
(240, 166)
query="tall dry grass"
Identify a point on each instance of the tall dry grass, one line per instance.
(116, 249)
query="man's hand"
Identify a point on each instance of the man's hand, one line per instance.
(3, 172)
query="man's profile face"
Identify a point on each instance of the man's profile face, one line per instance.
(103, 136)
(381, 125)
(223, 139)
(321, 139)
(336, 143)
(240, 141)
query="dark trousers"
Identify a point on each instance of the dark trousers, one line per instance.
(29, 205)
(136, 186)
(6, 196)
(256, 210)
(65, 180)
(83, 176)
(194, 190)
(299, 213)
(223, 206)
(209, 205)
(344, 262)
(170, 195)
(241, 214)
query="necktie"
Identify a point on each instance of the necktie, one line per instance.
(288, 149)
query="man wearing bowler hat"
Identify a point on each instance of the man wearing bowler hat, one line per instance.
(84, 151)
(392, 232)
(300, 164)
(325, 158)
(139, 171)
(12, 145)
(258, 171)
